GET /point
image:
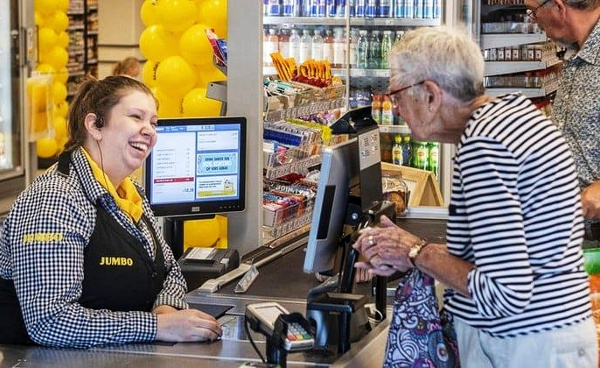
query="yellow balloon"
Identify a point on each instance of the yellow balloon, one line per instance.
(201, 233)
(47, 39)
(59, 21)
(63, 40)
(61, 109)
(157, 44)
(176, 15)
(45, 7)
(60, 127)
(149, 73)
(175, 75)
(195, 47)
(195, 103)
(46, 147)
(58, 57)
(38, 19)
(45, 68)
(148, 13)
(168, 105)
(207, 74)
(62, 5)
(214, 14)
(59, 92)
(62, 75)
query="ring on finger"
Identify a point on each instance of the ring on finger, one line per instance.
(371, 241)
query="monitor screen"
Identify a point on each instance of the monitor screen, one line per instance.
(339, 178)
(197, 167)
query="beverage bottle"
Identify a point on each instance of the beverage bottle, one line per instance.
(376, 108)
(284, 43)
(353, 43)
(385, 9)
(399, 35)
(420, 155)
(339, 48)
(374, 53)
(397, 158)
(434, 156)
(328, 46)
(371, 9)
(270, 45)
(295, 45)
(305, 46)
(387, 111)
(317, 45)
(362, 49)
(386, 46)
(406, 150)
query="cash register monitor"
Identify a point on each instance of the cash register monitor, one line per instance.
(197, 167)
(339, 178)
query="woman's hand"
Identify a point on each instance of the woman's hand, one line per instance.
(186, 325)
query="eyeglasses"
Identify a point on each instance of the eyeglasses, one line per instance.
(531, 13)
(392, 94)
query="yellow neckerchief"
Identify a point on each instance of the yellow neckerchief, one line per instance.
(126, 195)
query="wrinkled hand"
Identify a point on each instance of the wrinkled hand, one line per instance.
(590, 201)
(186, 325)
(385, 248)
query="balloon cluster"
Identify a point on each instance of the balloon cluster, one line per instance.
(179, 55)
(52, 22)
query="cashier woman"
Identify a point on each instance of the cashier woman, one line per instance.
(82, 262)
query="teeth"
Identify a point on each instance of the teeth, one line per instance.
(140, 146)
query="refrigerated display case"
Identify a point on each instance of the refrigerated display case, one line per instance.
(16, 53)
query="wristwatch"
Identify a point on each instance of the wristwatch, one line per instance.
(416, 249)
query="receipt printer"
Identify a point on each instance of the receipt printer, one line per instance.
(201, 264)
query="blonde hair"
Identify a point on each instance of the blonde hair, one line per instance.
(125, 66)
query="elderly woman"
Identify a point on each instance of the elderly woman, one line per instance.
(512, 264)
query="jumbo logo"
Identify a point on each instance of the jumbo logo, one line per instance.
(116, 261)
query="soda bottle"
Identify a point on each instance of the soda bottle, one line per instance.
(328, 46)
(376, 108)
(295, 45)
(270, 45)
(386, 46)
(420, 155)
(374, 54)
(387, 111)
(317, 45)
(406, 150)
(434, 155)
(397, 158)
(362, 49)
(284, 43)
(305, 46)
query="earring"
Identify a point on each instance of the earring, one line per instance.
(97, 137)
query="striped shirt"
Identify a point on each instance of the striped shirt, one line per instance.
(515, 213)
(41, 250)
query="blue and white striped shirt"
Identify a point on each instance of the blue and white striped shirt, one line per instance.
(515, 212)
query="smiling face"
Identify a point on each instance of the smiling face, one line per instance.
(128, 135)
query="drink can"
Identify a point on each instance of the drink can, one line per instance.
(398, 9)
(437, 9)
(321, 8)
(274, 8)
(418, 9)
(371, 9)
(289, 8)
(340, 8)
(351, 8)
(330, 8)
(409, 8)
(360, 8)
(385, 9)
(428, 9)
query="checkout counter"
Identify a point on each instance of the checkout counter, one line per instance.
(281, 280)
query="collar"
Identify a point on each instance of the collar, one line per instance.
(589, 52)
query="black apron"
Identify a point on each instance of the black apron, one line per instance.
(119, 275)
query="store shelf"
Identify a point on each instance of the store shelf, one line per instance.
(292, 22)
(509, 67)
(491, 41)
(527, 92)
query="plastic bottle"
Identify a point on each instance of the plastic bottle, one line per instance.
(284, 43)
(397, 153)
(420, 155)
(295, 45)
(328, 46)
(362, 49)
(434, 156)
(317, 45)
(339, 48)
(387, 111)
(386, 46)
(374, 53)
(270, 45)
(376, 108)
(305, 46)
(353, 44)
(406, 150)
